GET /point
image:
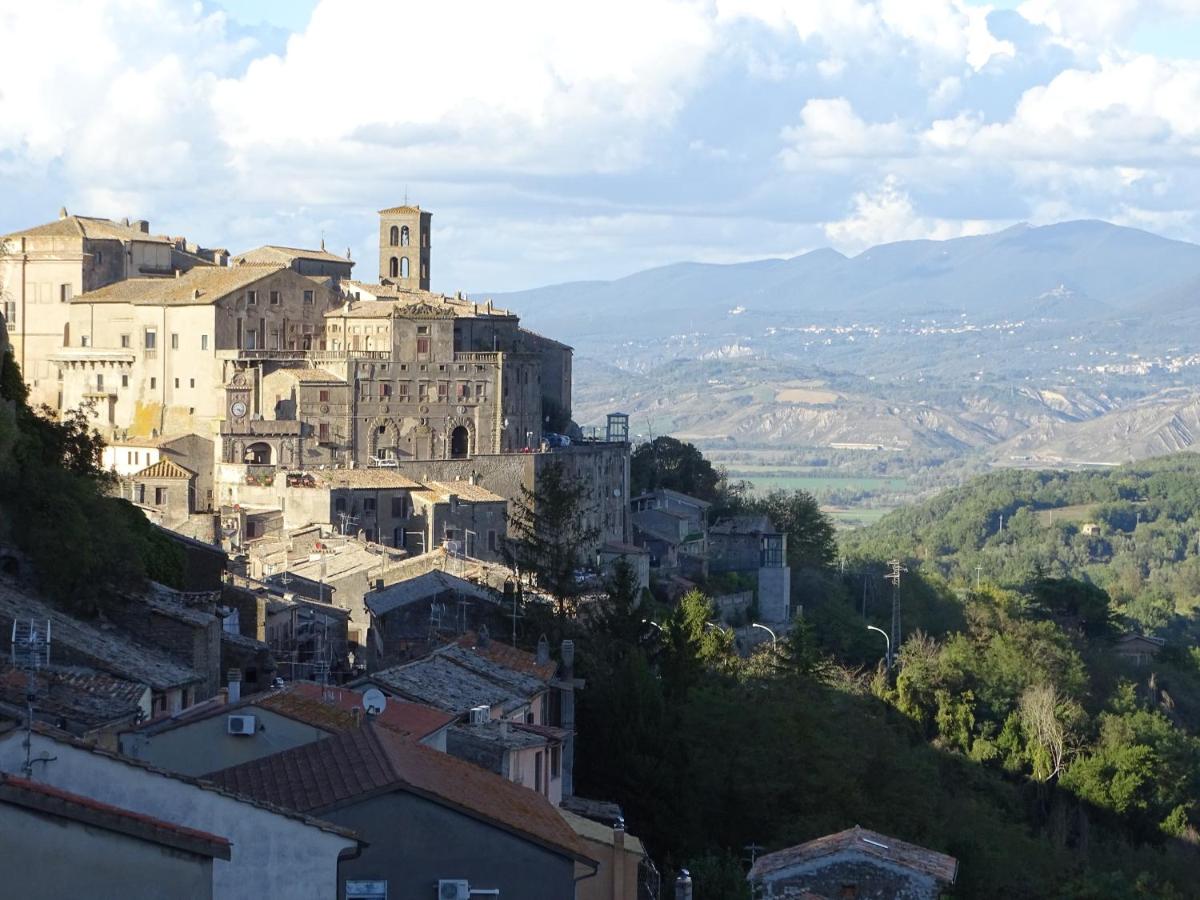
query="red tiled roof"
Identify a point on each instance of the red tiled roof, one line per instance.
(508, 656)
(23, 792)
(929, 862)
(343, 769)
(333, 708)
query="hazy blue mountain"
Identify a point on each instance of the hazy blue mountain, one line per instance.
(1073, 270)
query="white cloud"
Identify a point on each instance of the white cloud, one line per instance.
(830, 130)
(886, 214)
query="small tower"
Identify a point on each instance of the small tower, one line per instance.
(404, 247)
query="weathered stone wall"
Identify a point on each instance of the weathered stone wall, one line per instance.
(871, 879)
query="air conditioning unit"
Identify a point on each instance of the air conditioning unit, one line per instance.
(245, 725)
(454, 889)
(479, 715)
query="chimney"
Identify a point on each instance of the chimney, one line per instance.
(504, 726)
(357, 715)
(568, 659)
(62, 212)
(683, 885)
(379, 584)
(543, 651)
(178, 273)
(234, 677)
(142, 225)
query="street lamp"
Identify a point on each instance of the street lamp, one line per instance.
(767, 630)
(886, 638)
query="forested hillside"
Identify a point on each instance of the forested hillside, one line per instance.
(1132, 531)
(1010, 734)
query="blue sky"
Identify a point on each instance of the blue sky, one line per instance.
(570, 141)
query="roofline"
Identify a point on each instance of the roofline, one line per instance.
(49, 800)
(70, 740)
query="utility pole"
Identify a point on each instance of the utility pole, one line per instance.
(895, 570)
(978, 572)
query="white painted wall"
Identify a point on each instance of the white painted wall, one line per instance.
(273, 855)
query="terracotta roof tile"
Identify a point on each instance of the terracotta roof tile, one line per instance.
(870, 843)
(43, 797)
(340, 770)
(203, 285)
(274, 253)
(90, 227)
(165, 468)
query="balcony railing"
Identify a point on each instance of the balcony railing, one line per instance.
(474, 357)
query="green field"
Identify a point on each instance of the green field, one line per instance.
(857, 516)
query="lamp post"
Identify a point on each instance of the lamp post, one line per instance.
(774, 640)
(889, 643)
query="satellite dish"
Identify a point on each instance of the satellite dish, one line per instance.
(374, 701)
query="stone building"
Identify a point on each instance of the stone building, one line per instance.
(43, 268)
(154, 354)
(857, 864)
(404, 247)
(463, 517)
(320, 263)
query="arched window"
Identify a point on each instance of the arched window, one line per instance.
(460, 443)
(394, 267)
(394, 237)
(403, 236)
(404, 267)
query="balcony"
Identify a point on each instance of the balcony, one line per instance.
(473, 357)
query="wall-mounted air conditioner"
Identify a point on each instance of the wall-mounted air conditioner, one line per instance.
(454, 889)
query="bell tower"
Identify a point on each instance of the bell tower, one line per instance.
(404, 247)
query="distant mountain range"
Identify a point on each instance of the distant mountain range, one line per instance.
(1078, 270)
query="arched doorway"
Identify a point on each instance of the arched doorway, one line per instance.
(258, 454)
(460, 443)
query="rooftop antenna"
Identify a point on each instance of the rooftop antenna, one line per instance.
(347, 521)
(31, 654)
(895, 570)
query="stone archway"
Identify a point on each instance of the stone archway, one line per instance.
(460, 443)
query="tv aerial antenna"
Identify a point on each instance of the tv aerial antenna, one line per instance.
(30, 653)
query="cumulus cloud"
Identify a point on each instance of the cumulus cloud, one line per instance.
(571, 140)
(886, 214)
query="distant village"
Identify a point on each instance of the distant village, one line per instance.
(334, 703)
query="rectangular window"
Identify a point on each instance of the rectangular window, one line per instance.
(99, 382)
(443, 391)
(153, 382)
(204, 342)
(65, 293)
(176, 384)
(423, 391)
(464, 391)
(323, 432)
(402, 390)
(554, 761)
(364, 390)
(492, 541)
(339, 505)
(398, 506)
(191, 382)
(422, 329)
(323, 396)
(174, 341)
(385, 391)
(308, 298)
(125, 341)
(140, 493)
(251, 298)
(151, 339)
(160, 496)
(251, 339)
(480, 390)
(85, 340)
(369, 505)
(10, 314)
(124, 381)
(274, 298)
(423, 346)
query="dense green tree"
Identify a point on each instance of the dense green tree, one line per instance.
(549, 533)
(668, 462)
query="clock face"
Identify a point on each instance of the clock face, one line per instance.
(238, 409)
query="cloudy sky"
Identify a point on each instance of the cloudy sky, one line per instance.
(558, 141)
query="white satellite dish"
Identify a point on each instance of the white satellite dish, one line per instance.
(374, 701)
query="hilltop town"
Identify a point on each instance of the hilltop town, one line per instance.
(353, 483)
